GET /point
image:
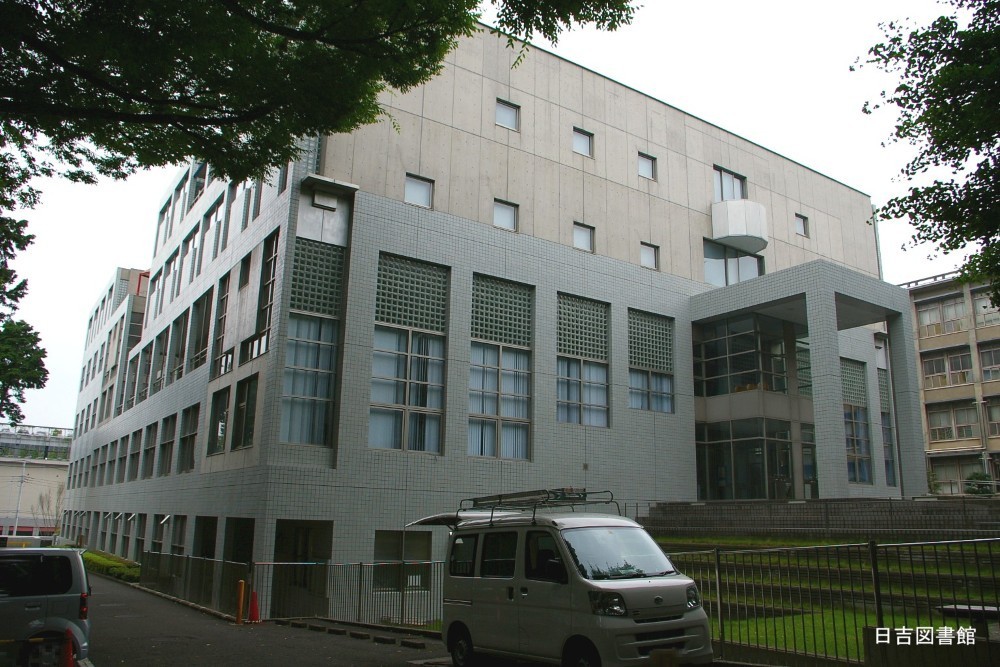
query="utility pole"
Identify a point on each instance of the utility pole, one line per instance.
(17, 512)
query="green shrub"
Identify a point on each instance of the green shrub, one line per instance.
(111, 566)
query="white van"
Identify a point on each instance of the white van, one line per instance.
(528, 577)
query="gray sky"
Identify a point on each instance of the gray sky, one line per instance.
(775, 72)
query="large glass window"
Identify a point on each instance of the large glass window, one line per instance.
(582, 392)
(499, 401)
(728, 266)
(742, 354)
(728, 185)
(407, 390)
(650, 357)
(649, 390)
(859, 454)
(218, 421)
(987, 314)
(307, 395)
(245, 413)
(989, 361)
(582, 388)
(189, 434)
(854, 390)
(941, 317)
(946, 369)
(952, 421)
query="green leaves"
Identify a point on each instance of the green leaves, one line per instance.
(94, 87)
(948, 101)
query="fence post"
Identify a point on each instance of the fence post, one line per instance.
(402, 594)
(357, 617)
(876, 583)
(718, 603)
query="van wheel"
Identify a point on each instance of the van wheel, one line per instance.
(581, 655)
(462, 653)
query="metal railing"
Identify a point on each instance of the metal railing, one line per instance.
(805, 605)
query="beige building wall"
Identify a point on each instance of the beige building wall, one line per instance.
(40, 478)
(446, 131)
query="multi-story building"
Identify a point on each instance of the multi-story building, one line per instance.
(33, 463)
(958, 342)
(524, 278)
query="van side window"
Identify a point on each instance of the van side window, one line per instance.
(463, 556)
(499, 551)
(541, 558)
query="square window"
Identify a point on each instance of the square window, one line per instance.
(583, 237)
(647, 166)
(583, 142)
(649, 255)
(419, 191)
(508, 115)
(504, 215)
(801, 225)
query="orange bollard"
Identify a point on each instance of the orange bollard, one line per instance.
(254, 616)
(240, 587)
(67, 652)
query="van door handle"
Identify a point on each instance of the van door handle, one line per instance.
(32, 607)
(524, 591)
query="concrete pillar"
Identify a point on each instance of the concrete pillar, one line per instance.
(828, 403)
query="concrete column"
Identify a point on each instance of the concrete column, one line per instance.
(906, 400)
(828, 403)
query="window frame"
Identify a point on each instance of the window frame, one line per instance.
(407, 408)
(646, 393)
(414, 180)
(645, 158)
(515, 108)
(498, 417)
(582, 228)
(643, 251)
(801, 225)
(719, 180)
(579, 134)
(514, 209)
(565, 383)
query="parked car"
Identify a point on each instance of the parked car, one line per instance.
(528, 579)
(44, 593)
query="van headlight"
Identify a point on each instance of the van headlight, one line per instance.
(693, 597)
(607, 604)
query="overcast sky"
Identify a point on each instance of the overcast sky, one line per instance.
(776, 72)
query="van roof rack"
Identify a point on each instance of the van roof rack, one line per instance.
(541, 499)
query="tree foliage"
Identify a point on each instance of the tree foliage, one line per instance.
(98, 87)
(948, 104)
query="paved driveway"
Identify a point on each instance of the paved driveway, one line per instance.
(133, 627)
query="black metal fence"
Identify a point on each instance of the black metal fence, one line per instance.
(802, 605)
(832, 605)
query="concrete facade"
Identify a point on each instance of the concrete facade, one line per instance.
(221, 459)
(958, 346)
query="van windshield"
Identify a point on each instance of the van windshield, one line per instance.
(616, 552)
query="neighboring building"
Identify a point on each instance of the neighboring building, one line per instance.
(33, 465)
(524, 278)
(958, 342)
